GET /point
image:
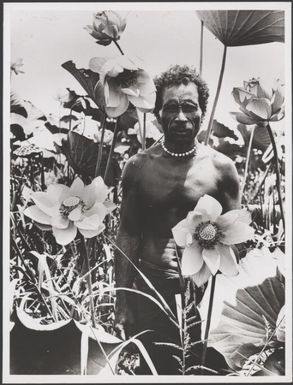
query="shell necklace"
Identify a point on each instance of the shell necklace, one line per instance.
(180, 154)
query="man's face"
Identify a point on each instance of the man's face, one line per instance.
(180, 113)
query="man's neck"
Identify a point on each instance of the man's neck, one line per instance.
(179, 147)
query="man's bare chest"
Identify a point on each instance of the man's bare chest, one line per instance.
(175, 184)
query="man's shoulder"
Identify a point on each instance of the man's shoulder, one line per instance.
(135, 163)
(219, 160)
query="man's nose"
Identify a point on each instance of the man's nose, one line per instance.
(181, 116)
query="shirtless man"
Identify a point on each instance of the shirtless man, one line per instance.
(160, 186)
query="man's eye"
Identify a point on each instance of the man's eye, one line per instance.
(171, 108)
(188, 108)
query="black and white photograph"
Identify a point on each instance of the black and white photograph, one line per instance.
(147, 177)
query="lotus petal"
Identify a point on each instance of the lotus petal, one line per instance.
(65, 236)
(109, 206)
(89, 223)
(44, 202)
(76, 189)
(75, 214)
(131, 91)
(212, 259)
(101, 190)
(202, 276)
(112, 93)
(194, 218)
(245, 27)
(144, 103)
(92, 233)
(277, 101)
(238, 233)
(145, 83)
(37, 215)
(58, 191)
(210, 207)
(228, 262)
(192, 259)
(260, 107)
(241, 96)
(180, 232)
(229, 218)
(114, 112)
(98, 209)
(59, 222)
(243, 119)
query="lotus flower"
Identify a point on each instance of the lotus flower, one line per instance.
(107, 26)
(124, 81)
(68, 209)
(152, 129)
(258, 104)
(64, 97)
(16, 67)
(207, 237)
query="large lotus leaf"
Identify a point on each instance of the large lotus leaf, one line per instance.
(17, 105)
(55, 348)
(82, 155)
(243, 325)
(222, 131)
(275, 364)
(261, 139)
(128, 119)
(245, 27)
(221, 144)
(89, 80)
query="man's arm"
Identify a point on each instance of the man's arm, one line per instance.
(128, 240)
(230, 195)
(228, 184)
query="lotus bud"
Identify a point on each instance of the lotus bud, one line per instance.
(107, 27)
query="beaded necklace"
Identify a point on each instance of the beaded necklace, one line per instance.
(180, 154)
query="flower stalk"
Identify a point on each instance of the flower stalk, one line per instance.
(209, 316)
(247, 162)
(89, 281)
(144, 132)
(111, 151)
(118, 46)
(100, 153)
(278, 179)
(43, 185)
(216, 97)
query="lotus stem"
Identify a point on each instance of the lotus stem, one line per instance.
(100, 153)
(89, 282)
(43, 186)
(201, 48)
(247, 162)
(261, 182)
(118, 46)
(182, 292)
(209, 316)
(111, 150)
(216, 97)
(278, 179)
(31, 173)
(143, 144)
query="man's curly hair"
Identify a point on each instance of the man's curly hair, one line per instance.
(176, 75)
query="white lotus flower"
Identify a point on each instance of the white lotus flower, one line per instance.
(207, 237)
(124, 81)
(68, 209)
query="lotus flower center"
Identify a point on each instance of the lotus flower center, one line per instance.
(207, 234)
(126, 78)
(69, 204)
